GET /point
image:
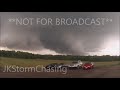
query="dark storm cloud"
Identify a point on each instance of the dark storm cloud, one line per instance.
(76, 40)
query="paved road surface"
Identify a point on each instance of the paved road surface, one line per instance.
(108, 72)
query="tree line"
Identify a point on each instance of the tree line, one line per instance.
(26, 55)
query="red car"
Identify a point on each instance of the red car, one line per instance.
(87, 66)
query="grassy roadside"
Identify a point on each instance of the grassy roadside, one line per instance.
(34, 62)
(28, 62)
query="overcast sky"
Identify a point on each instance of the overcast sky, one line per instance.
(74, 39)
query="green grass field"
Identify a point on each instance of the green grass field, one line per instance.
(28, 62)
(35, 62)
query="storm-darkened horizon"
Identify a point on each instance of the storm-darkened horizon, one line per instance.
(61, 39)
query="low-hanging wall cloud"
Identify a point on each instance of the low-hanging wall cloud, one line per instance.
(61, 39)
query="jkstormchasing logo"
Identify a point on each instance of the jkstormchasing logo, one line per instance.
(38, 68)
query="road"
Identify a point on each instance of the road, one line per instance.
(104, 72)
